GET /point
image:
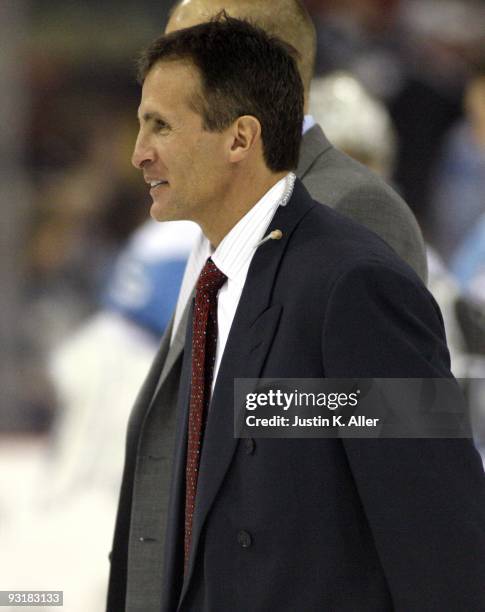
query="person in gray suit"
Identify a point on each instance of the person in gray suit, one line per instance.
(332, 178)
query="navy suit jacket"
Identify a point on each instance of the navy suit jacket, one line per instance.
(137, 555)
(327, 524)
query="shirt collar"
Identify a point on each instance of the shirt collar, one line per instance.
(235, 252)
(308, 123)
(202, 249)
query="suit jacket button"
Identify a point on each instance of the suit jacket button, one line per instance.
(244, 539)
(249, 445)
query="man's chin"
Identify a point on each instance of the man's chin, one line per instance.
(161, 212)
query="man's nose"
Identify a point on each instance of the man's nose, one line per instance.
(143, 153)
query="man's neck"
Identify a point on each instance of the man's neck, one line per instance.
(240, 200)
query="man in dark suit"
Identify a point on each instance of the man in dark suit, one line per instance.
(284, 524)
(330, 177)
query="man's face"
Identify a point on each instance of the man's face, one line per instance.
(186, 166)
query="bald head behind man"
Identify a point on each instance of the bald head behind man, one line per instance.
(286, 19)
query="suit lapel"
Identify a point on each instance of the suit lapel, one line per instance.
(176, 346)
(145, 396)
(248, 344)
(174, 549)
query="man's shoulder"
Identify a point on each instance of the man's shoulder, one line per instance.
(331, 176)
(330, 255)
(334, 179)
(327, 234)
(326, 241)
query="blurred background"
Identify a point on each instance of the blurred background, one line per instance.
(89, 283)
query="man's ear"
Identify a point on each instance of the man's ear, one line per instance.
(246, 134)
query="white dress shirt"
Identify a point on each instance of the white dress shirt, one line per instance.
(233, 257)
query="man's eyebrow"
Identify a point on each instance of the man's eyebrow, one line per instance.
(151, 116)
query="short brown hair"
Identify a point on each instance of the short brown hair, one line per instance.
(243, 71)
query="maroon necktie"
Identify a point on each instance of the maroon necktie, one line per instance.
(204, 342)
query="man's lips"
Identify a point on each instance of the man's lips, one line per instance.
(156, 183)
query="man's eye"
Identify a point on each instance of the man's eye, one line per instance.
(161, 125)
